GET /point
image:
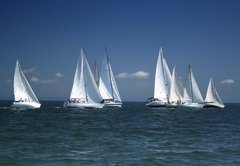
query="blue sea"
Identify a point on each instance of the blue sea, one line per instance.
(132, 135)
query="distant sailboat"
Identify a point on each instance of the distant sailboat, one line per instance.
(85, 93)
(24, 97)
(196, 99)
(108, 86)
(212, 98)
(162, 83)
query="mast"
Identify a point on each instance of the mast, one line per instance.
(110, 77)
(84, 72)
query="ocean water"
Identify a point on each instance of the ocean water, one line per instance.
(133, 135)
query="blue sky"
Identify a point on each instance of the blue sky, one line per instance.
(46, 37)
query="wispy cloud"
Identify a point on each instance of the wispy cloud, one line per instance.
(30, 70)
(59, 75)
(227, 82)
(122, 75)
(48, 81)
(138, 74)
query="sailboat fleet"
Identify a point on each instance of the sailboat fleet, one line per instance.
(170, 92)
(94, 89)
(85, 91)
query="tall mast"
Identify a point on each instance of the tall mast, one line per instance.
(109, 74)
(84, 72)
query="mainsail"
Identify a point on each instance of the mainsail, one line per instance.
(175, 93)
(22, 89)
(162, 78)
(195, 93)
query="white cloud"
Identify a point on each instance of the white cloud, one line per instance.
(31, 70)
(34, 79)
(138, 74)
(49, 81)
(59, 75)
(37, 80)
(227, 82)
(122, 75)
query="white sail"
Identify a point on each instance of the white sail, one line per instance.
(160, 86)
(168, 76)
(90, 84)
(195, 93)
(186, 98)
(174, 95)
(212, 95)
(95, 73)
(107, 83)
(78, 82)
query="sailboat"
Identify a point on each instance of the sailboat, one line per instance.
(212, 98)
(85, 93)
(162, 83)
(196, 99)
(108, 86)
(24, 97)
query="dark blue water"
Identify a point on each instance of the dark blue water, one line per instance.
(133, 135)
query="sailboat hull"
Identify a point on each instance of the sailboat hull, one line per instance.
(26, 105)
(213, 105)
(171, 105)
(156, 104)
(82, 105)
(190, 105)
(113, 104)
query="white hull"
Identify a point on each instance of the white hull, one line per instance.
(213, 105)
(190, 105)
(113, 104)
(171, 105)
(26, 105)
(82, 105)
(156, 104)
